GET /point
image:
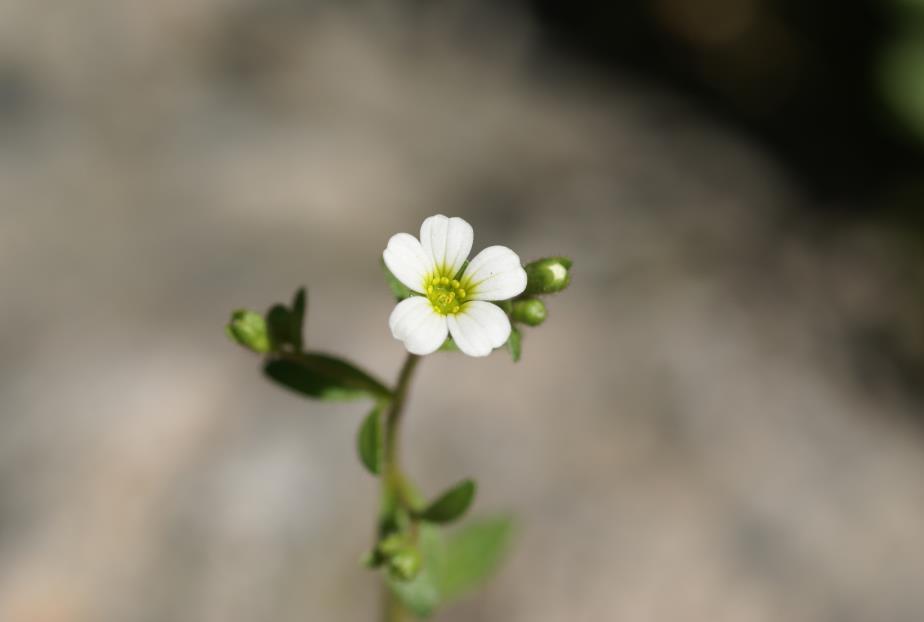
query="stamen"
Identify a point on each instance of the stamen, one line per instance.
(445, 293)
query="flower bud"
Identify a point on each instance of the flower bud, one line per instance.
(249, 330)
(392, 544)
(405, 564)
(531, 311)
(547, 276)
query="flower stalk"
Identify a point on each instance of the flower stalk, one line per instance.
(394, 499)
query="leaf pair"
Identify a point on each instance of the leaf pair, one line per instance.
(453, 565)
(280, 335)
(280, 329)
(449, 506)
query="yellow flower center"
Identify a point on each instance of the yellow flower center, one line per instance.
(446, 295)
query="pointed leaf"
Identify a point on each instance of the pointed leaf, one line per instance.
(515, 343)
(472, 554)
(298, 319)
(278, 325)
(324, 377)
(451, 504)
(285, 324)
(369, 441)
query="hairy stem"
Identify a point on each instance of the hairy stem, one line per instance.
(394, 499)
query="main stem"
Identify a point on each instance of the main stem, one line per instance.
(392, 484)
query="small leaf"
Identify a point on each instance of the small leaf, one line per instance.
(369, 441)
(249, 330)
(324, 377)
(285, 325)
(451, 504)
(278, 324)
(421, 595)
(515, 343)
(298, 319)
(399, 289)
(472, 554)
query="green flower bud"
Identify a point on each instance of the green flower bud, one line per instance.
(547, 276)
(249, 329)
(391, 545)
(530, 311)
(405, 564)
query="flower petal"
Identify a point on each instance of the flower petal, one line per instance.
(414, 322)
(448, 241)
(479, 328)
(406, 259)
(495, 274)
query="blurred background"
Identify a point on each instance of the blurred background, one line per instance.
(721, 419)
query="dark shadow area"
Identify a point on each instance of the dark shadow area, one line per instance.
(805, 78)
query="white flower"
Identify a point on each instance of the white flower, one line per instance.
(451, 303)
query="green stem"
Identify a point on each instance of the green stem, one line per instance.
(393, 488)
(391, 464)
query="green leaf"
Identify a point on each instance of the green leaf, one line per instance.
(369, 441)
(278, 324)
(472, 554)
(279, 329)
(285, 325)
(451, 504)
(249, 330)
(515, 343)
(324, 377)
(453, 566)
(422, 595)
(399, 289)
(298, 318)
